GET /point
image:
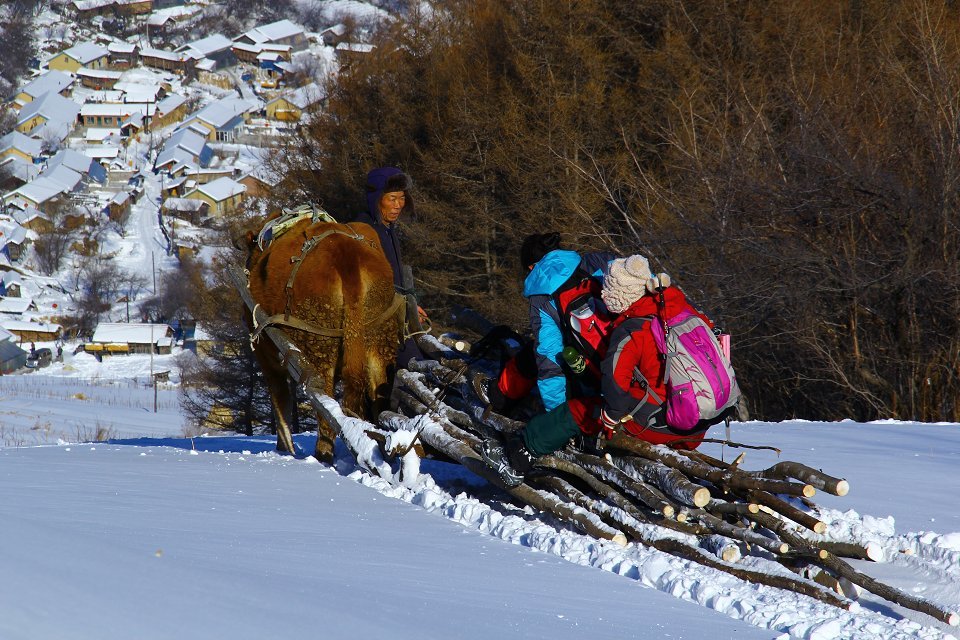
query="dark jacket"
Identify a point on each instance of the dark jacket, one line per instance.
(380, 181)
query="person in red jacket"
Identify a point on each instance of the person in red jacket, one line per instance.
(631, 290)
(632, 383)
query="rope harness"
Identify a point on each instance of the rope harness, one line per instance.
(270, 232)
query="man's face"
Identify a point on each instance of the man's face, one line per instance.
(391, 204)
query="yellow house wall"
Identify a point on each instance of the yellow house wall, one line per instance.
(62, 62)
(13, 152)
(31, 124)
(287, 111)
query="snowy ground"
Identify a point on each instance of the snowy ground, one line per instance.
(155, 535)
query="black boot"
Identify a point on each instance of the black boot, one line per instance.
(511, 459)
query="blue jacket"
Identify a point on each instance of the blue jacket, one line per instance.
(547, 276)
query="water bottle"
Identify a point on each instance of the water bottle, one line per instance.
(574, 359)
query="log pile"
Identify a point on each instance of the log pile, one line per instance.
(683, 503)
(705, 510)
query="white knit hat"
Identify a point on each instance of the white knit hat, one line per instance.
(629, 279)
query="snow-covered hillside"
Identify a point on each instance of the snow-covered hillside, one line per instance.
(154, 534)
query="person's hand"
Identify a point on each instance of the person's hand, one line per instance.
(422, 315)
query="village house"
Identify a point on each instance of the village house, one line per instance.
(118, 209)
(349, 51)
(33, 219)
(88, 168)
(332, 36)
(170, 110)
(18, 145)
(223, 195)
(13, 241)
(220, 121)
(260, 182)
(12, 357)
(51, 112)
(185, 148)
(290, 107)
(18, 306)
(88, 9)
(48, 82)
(134, 7)
(112, 115)
(32, 331)
(183, 64)
(11, 283)
(279, 32)
(85, 54)
(41, 193)
(122, 55)
(216, 47)
(16, 172)
(125, 337)
(192, 210)
(98, 78)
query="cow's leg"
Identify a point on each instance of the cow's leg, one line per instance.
(282, 408)
(326, 434)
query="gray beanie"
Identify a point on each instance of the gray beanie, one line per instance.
(629, 279)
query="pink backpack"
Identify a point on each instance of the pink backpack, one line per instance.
(700, 381)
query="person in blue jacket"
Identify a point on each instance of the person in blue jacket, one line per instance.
(549, 268)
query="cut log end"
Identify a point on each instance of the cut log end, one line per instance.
(875, 552)
(809, 491)
(842, 488)
(753, 507)
(701, 497)
(784, 547)
(819, 527)
(619, 539)
(668, 511)
(730, 554)
(953, 619)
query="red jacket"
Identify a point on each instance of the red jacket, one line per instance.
(632, 346)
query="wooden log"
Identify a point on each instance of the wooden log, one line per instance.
(744, 534)
(566, 463)
(871, 551)
(667, 479)
(786, 509)
(722, 507)
(456, 343)
(843, 570)
(605, 470)
(691, 466)
(722, 547)
(803, 473)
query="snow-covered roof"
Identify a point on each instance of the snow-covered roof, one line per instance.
(305, 96)
(99, 134)
(99, 74)
(63, 175)
(207, 46)
(188, 140)
(13, 305)
(22, 143)
(21, 325)
(85, 52)
(53, 80)
(170, 103)
(173, 56)
(121, 47)
(355, 47)
(78, 162)
(128, 332)
(116, 109)
(19, 168)
(183, 204)
(224, 112)
(6, 339)
(52, 106)
(221, 189)
(38, 191)
(102, 151)
(139, 91)
(11, 277)
(272, 32)
(23, 217)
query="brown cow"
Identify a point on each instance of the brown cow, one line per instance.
(334, 278)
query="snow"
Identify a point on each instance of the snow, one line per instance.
(155, 533)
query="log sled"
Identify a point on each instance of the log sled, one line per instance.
(704, 510)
